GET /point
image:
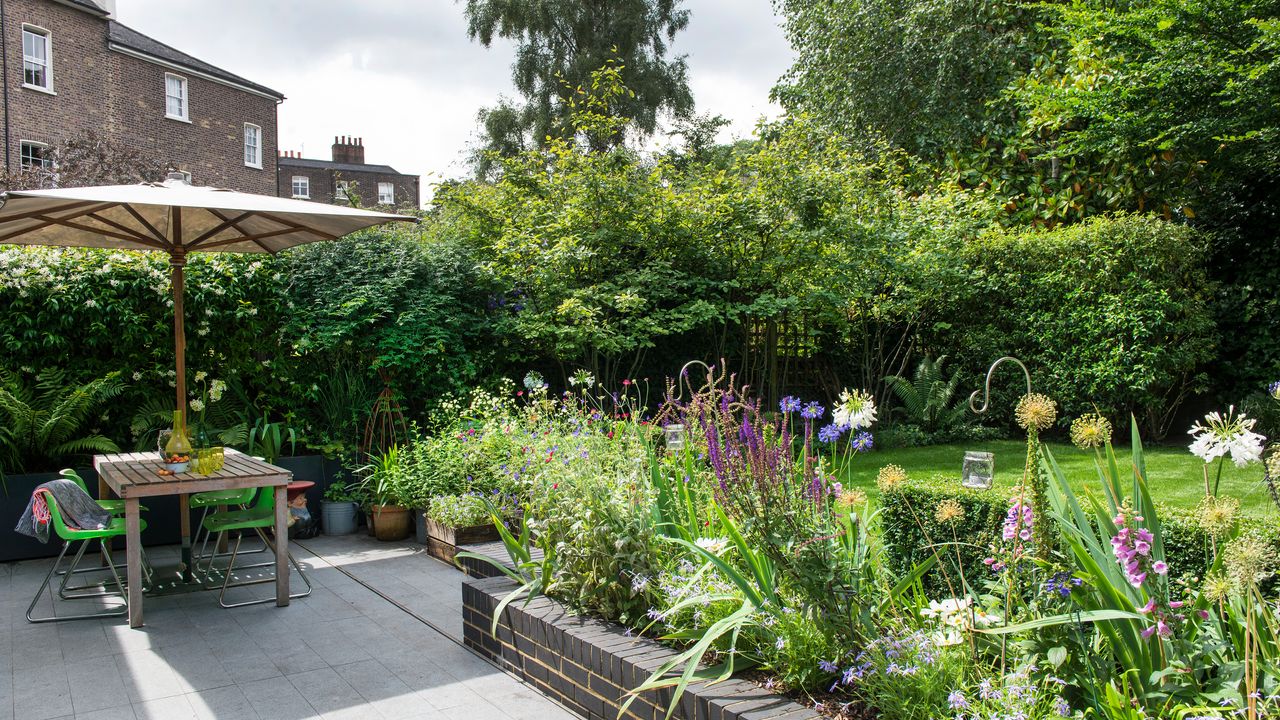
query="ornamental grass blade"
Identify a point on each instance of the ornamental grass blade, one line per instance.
(1093, 616)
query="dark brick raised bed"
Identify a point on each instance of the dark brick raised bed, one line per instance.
(588, 664)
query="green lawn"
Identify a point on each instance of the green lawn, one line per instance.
(1175, 475)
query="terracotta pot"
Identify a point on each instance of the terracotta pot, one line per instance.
(391, 522)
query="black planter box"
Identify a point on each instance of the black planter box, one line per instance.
(588, 665)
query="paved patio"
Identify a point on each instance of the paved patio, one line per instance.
(347, 651)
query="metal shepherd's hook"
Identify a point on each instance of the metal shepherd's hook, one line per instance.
(684, 378)
(986, 388)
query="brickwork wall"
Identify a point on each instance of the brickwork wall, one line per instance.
(122, 99)
(588, 665)
(211, 145)
(324, 180)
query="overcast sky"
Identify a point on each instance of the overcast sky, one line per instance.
(402, 74)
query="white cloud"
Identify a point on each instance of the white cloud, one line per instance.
(403, 75)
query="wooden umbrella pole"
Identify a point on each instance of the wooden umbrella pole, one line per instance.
(177, 263)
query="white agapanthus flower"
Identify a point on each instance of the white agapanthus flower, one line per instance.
(856, 410)
(715, 546)
(1227, 435)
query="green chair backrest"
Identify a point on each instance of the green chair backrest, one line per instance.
(73, 476)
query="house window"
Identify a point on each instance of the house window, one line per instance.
(252, 146)
(175, 97)
(340, 191)
(302, 187)
(35, 156)
(386, 194)
(36, 68)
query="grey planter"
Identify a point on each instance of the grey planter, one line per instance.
(420, 526)
(339, 517)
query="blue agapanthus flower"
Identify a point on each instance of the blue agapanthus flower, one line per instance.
(789, 404)
(812, 411)
(830, 433)
(861, 442)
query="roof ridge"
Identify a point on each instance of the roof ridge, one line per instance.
(182, 58)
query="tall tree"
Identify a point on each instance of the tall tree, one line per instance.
(917, 72)
(559, 43)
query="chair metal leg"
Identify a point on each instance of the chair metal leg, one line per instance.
(119, 612)
(226, 581)
(204, 546)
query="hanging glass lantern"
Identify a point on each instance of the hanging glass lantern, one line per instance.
(978, 470)
(674, 436)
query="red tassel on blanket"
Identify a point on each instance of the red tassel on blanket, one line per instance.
(40, 508)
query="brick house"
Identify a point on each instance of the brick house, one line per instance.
(319, 180)
(70, 67)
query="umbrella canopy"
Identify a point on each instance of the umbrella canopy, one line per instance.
(176, 218)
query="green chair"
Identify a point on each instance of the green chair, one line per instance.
(258, 518)
(239, 499)
(70, 535)
(115, 507)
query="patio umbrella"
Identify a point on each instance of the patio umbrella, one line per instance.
(176, 218)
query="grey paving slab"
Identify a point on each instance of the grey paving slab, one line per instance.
(347, 651)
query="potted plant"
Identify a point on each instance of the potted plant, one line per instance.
(385, 485)
(454, 520)
(339, 509)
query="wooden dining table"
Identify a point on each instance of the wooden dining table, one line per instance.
(134, 476)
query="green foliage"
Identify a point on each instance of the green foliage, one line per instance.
(458, 511)
(918, 72)
(912, 532)
(929, 403)
(266, 439)
(1113, 309)
(411, 309)
(559, 45)
(53, 420)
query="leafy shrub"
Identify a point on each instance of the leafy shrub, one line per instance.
(458, 511)
(1114, 309)
(913, 530)
(911, 505)
(51, 422)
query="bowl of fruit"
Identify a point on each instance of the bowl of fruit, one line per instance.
(176, 463)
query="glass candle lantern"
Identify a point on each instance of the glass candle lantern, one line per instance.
(978, 470)
(674, 436)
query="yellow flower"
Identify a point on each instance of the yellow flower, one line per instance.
(1217, 588)
(949, 511)
(1217, 516)
(1248, 560)
(1090, 431)
(1036, 412)
(890, 476)
(852, 498)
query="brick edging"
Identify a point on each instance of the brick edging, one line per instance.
(588, 664)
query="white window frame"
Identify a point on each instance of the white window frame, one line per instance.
(256, 162)
(305, 182)
(390, 194)
(48, 58)
(340, 191)
(186, 98)
(45, 162)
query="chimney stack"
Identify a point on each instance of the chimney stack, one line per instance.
(347, 149)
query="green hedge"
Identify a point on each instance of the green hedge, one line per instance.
(911, 530)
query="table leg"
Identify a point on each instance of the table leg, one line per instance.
(282, 546)
(104, 492)
(133, 560)
(184, 517)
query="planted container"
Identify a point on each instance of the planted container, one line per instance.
(391, 522)
(443, 540)
(340, 517)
